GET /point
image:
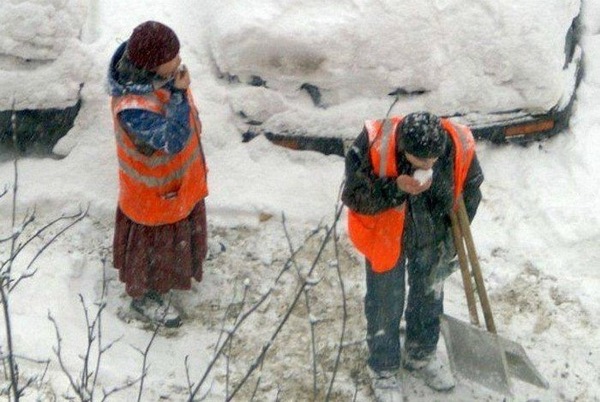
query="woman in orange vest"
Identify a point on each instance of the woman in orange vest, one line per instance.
(403, 176)
(160, 233)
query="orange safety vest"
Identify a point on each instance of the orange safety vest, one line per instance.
(161, 188)
(379, 237)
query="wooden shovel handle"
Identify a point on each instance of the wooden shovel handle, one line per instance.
(459, 245)
(465, 229)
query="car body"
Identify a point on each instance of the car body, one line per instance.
(307, 74)
(42, 65)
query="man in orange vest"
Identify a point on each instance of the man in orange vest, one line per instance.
(403, 176)
(160, 233)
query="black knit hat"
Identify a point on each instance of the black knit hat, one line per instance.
(152, 44)
(422, 135)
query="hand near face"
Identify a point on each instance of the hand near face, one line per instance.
(411, 185)
(182, 78)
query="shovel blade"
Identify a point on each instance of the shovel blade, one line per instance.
(487, 358)
(476, 355)
(519, 364)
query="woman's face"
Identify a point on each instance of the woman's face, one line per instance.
(168, 69)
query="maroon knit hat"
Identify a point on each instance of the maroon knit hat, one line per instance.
(152, 44)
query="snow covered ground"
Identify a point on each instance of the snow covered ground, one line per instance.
(537, 233)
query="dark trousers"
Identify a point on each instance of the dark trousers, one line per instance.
(384, 305)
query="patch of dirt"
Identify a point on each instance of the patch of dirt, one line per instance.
(290, 307)
(533, 293)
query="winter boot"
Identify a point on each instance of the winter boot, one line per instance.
(386, 386)
(153, 308)
(436, 375)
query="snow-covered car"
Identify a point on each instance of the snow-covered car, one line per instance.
(42, 64)
(307, 74)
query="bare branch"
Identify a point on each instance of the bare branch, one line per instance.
(58, 352)
(227, 311)
(145, 359)
(38, 233)
(307, 303)
(85, 374)
(242, 319)
(101, 306)
(85, 385)
(256, 387)
(12, 366)
(126, 385)
(239, 323)
(77, 218)
(190, 385)
(288, 313)
(344, 307)
(25, 358)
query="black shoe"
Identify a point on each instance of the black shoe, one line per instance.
(155, 310)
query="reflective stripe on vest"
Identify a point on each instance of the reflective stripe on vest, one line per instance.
(464, 151)
(160, 188)
(379, 237)
(381, 135)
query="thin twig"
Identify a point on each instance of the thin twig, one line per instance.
(128, 384)
(226, 313)
(145, 360)
(101, 306)
(146, 351)
(12, 366)
(77, 218)
(307, 303)
(17, 250)
(90, 329)
(288, 313)
(25, 358)
(228, 363)
(85, 388)
(190, 385)
(240, 321)
(5, 280)
(344, 308)
(58, 352)
(256, 387)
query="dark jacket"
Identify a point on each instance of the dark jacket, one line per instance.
(427, 214)
(150, 131)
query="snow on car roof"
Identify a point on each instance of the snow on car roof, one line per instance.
(461, 56)
(41, 60)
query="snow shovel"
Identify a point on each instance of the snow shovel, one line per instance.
(478, 355)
